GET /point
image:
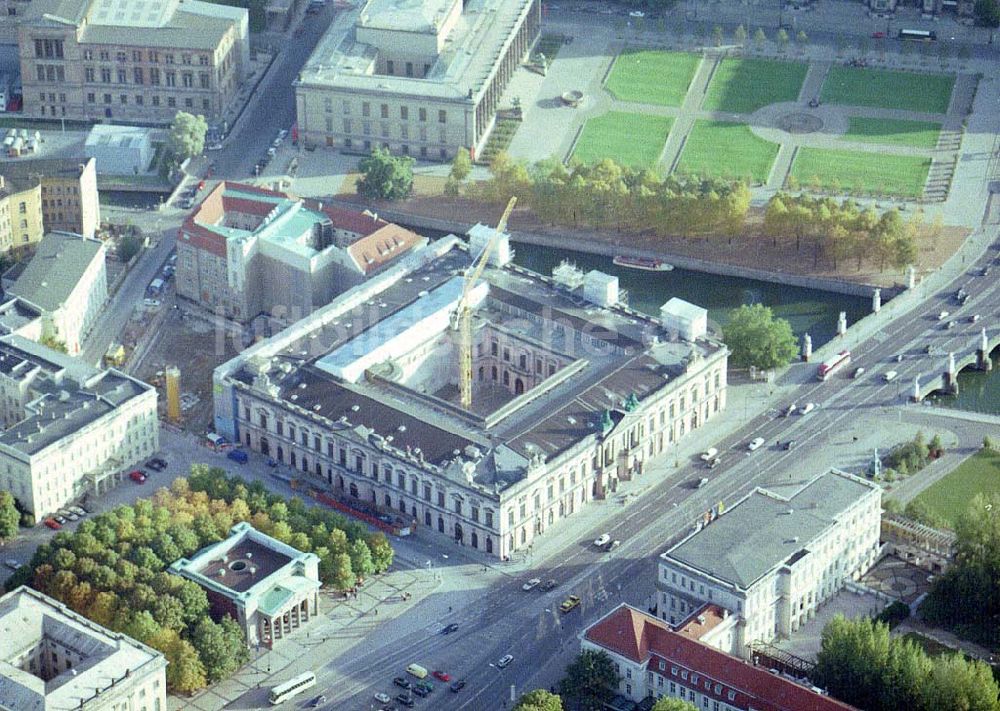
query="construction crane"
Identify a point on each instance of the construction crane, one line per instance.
(462, 320)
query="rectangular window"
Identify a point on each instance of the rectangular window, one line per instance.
(156, 101)
(139, 100)
(204, 80)
(154, 76)
(187, 79)
(404, 113)
(390, 68)
(89, 75)
(137, 76)
(409, 69)
(122, 76)
(121, 56)
(366, 109)
(442, 116)
(421, 114)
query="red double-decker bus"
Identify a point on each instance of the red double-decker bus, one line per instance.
(831, 365)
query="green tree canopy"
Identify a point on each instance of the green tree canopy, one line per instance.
(670, 704)
(221, 647)
(539, 700)
(987, 13)
(461, 166)
(756, 338)
(590, 680)
(385, 176)
(10, 517)
(187, 136)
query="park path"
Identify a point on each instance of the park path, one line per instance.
(688, 112)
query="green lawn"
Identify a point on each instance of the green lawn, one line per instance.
(744, 85)
(894, 132)
(721, 148)
(887, 89)
(633, 140)
(652, 77)
(949, 497)
(870, 172)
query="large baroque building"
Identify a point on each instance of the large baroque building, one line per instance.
(245, 251)
(572, 393)
(421, 77)
(775, 556)
(67, 281)
(52, 658)
(68, 428)
(130, 60)
(267, 586)
(655, 661)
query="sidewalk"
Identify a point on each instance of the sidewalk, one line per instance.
(944, 637)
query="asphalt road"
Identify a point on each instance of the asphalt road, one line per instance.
(506, 620)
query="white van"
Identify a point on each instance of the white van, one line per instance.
(417, 671)
(709, 454)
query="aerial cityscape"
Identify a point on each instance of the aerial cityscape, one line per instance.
(500, 355)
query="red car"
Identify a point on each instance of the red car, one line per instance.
(138, 476)
(441, 676)
(878, 35)
(53, 524)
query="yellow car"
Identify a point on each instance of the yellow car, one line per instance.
(569, 603)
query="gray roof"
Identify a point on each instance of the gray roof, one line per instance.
(28, 618)
(186, 29)
(33, 169)
(66, 395)
(405, 15)
(56, 268)
(765, 530)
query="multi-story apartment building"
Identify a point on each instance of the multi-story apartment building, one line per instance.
(245, 251)
(267, 586)
(67, 280)
(654, 661)
(21, 221)
(572, 393)
(130, 60)
(69, 428)
(775, 556)
(68, 192)
(423, 78)
(54, 658)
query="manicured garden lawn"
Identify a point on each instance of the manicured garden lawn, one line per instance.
(950, 496)
(652, 77)
(895, 132)
(870, 172)
(721, 148)
(744, 85)
(887, 89)
(633, 140)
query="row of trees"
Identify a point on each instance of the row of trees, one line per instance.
(841, 230)
(113, 568)
(10, 517)
(541, 700)
(860, 663)
(608, 195)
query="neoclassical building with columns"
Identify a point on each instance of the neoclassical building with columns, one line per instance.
(420, 77)
(573, 392)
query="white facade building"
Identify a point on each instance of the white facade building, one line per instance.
(69, 428)
(53, 659)
(67, 281)
(775, 555)
(267, 586)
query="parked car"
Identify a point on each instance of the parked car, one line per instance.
(318, 701)
(602, 540)
(858, 372)
(450, 628)
(421, 691)
(52, 523)
(402, 682)
(77, 510)
(809, 407)
(151, 303)
(505, 660)
(701, 482)
(60, 520)
(405, 699)
(570, 603)
(548, 585)
(138, 476)
(756, 444)
(383, 698)
(238, 455)
(530, 585)
(789, 444)
(457, 686)
(68, 514)
(709, 454)
(440, 675)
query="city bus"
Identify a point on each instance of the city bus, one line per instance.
(918, 35)
(283, 692)
(831, 365)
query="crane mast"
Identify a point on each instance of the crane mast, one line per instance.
(464, 310)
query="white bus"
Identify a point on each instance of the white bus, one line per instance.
(918, 35)
(290, 688)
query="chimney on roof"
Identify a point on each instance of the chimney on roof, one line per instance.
(725, 614)
(253, 569)
(249, 555)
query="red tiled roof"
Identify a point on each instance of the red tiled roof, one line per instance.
(704, 620)
(646, 640)
(384, 245)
